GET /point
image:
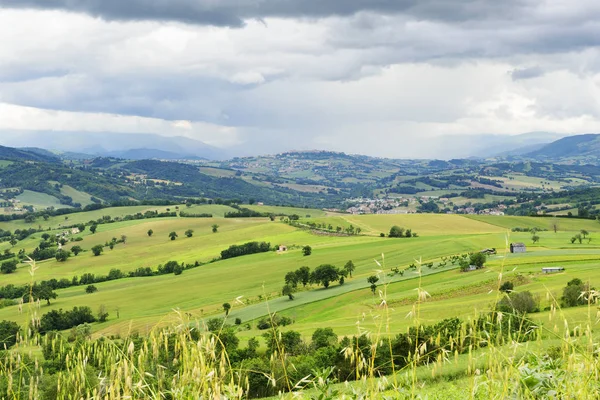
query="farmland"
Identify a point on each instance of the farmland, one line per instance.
(439, 236)
(252, 284)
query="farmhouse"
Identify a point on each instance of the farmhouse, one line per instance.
(552, 270)
(518, 248)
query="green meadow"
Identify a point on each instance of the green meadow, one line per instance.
(252, 283)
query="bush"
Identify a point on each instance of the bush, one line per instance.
(507, 287)
(97, 250)
(396, 232)
(572, 293)
(91, 289)
(8, 334)
(307, 250)
(8, 267)
(519, 303)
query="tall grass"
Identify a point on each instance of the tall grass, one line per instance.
(491, 356)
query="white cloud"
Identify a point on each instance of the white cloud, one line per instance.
(14, 117)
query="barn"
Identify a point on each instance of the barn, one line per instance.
(518, 248)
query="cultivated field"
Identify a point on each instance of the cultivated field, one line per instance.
(252, 284)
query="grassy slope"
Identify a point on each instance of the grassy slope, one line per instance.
(39, 200)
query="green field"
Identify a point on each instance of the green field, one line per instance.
(439, 235)
(78, 197)
(39, 200)
(252, 283)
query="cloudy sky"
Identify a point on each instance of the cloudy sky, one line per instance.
(378, 77)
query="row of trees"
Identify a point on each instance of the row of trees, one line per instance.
(323, 275)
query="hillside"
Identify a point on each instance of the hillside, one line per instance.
(12, 154)
(576, 147)
(145, 292)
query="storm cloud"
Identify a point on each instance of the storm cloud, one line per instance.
(234, 12)
(272, 75)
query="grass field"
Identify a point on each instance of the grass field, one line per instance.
(252, 283)
(39, 200)
(440, 235)
(78, 197)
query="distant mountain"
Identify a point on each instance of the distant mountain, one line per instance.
(579, 146)
(521, 151)
(486, 145)
(110, 143)
(151, 154)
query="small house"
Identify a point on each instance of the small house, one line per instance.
(518, 248)
(552, 270)
(74, 231)
(282, 249)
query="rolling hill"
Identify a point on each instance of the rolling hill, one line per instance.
(579, 146)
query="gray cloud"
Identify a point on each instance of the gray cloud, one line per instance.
(526, 73)
(234, 12)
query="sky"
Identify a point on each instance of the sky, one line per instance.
(386, 78)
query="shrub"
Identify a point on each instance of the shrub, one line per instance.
(519, 303)
(8, 267)
(91, 289)
(97, 250)
(507, 287)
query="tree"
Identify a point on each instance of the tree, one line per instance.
(150, 232)
(8, 334)
(288, 290)
(307, 250)
(349, 268)
(8, 267)
(81, 227)
(535, 238)
(76, 249)
(584, 233)
(324, 337)
(91, 289)
(215, 228)
(519, 303)
(373, 279)
(93, 228)
(44, 292)
(13, 241)
(45, 236)
(291, 279)
(123, 239)
(102, 313)
(507, 287)
(555, 225)
(303, 275)
(97, 250)
(574, 293)
(189, 233)
(478, 259)
(396, 232)
(226, 308)
(324, 274)
(173, 235)
(178, 269)
(62, 255)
